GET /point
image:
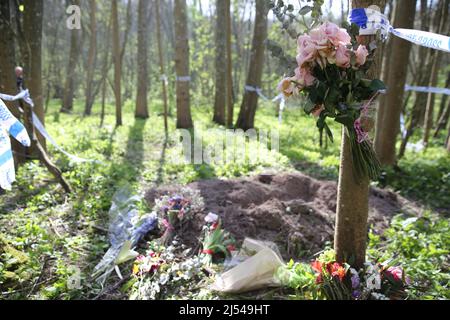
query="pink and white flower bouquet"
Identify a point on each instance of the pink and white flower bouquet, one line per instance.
(332, 73)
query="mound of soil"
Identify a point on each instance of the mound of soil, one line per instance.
(293, 210)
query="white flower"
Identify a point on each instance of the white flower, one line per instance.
(211, 218)
(163, 279)
(373, 280)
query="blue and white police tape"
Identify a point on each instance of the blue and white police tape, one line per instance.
(9, 124)
(370, 20)
(25, 96)
(258, 91)
(435, 90)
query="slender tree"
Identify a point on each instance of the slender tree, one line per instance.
(117, 62)
(161, 62)
(428, 121)
(221, 63)
(92, 58)
(7, 79)
(388, 123)
(75, 50)
(230, 100)
(353, 197)
(423, 75)
(184, 119)
(142, 57)
(246, 119)
(32, 56)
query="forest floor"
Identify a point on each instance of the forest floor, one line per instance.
(48, 233)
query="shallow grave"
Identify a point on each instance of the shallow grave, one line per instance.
(293, 210)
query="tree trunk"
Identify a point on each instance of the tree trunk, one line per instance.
(445, 97)
(387, 49)
(142, 57)
(389, 125)
(32, 55)
(221, 65)
(117, 63)
(69, 87)
(441, 18)
(161, 63)
(7, 79)
(448, 140)
(92, 58)
(353, 197)
(230, 100)
(443, 120)
(246, 119)
(184, 119)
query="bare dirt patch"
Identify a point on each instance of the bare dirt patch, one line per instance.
(295, 211)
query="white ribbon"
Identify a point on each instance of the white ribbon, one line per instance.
(258, 91)
(370, 20)
(282, 100)
(40, 127)
(164, 78)
(183, 78)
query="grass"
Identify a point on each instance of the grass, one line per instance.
(47, 236)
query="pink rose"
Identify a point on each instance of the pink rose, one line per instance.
(396, 273)
(343, 37)
(306, 50)
(342, 57)
(286, 87)
(330, 32)
(304, 77)
(361, 55)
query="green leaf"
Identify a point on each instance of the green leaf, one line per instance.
(377, 85)
(305, 10)
(345, 119)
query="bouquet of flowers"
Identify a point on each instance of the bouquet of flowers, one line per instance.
(163, 272)
(338, 281)
(174, 210)
(332, 73)
(216, 241)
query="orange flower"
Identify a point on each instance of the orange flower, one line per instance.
(338, 270)
(317, 266)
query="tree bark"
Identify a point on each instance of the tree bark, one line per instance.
(142, 57)
(443, 119)
(184, 119)
(69, 87)
(161, 64)
(353, 197)
(389, 122)
(117, 63)
(220, 64)
(7, 78)
(230, 100)
(32, 55)
(441, 18)
(92, 58)
(246, 119)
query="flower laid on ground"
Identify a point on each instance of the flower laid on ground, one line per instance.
(325, 278)
(332, 73)
(174, 210)
(216, 241)
(148, 263)
(163, 271)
